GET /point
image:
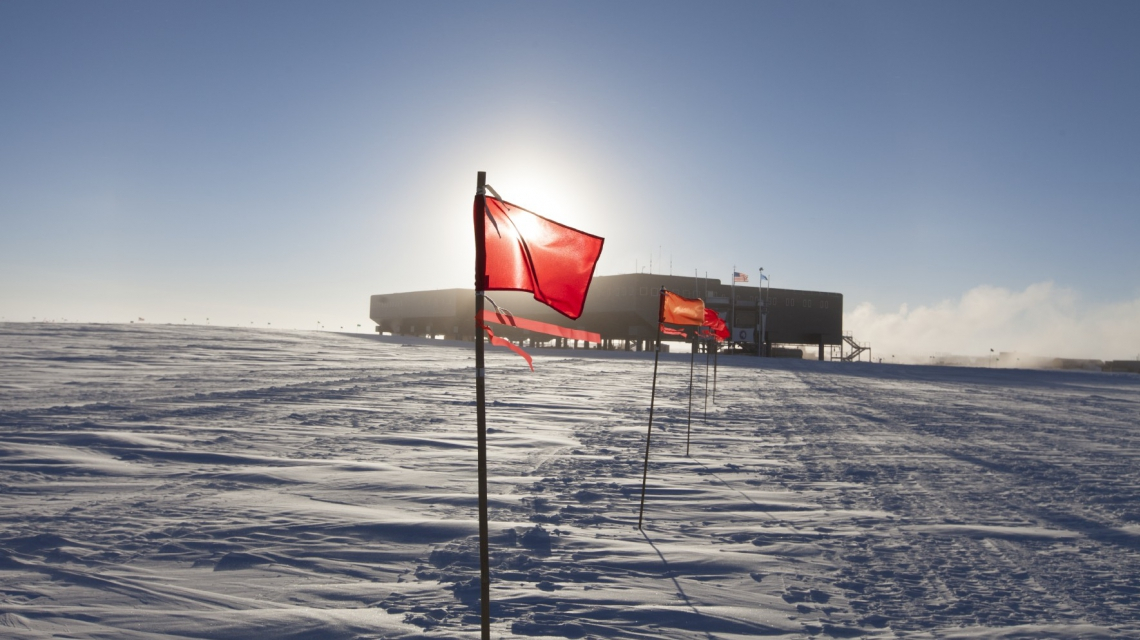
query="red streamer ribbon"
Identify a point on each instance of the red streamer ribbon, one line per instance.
(539, 327)
(499, 342)
(706, 333)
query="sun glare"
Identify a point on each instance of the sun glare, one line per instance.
(528, 226)
(554, 188)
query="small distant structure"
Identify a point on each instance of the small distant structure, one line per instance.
(1077, 364)
(1015, 360)
(623, 310)
(1122, 366)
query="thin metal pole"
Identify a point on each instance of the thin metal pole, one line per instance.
(708, 345)
(767, 299)
(689, 425)
(732, 307)
(715, 354)
(760, 315)
(481, 406)
(764, 319)
(652, 397)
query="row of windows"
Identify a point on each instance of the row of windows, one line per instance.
(646, 291)
(806, 303)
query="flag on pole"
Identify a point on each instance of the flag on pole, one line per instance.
(739, 277)
(527, 252)
(762, 277)
(676, 309)
(715, 325)
(519, 250)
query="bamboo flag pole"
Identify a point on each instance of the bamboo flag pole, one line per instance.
(652, 397)
(689, 426)
(481, 404)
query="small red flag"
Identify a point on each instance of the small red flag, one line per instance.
(716, 325)
(527, 252)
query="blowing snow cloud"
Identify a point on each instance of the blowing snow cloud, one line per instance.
(1042, 320)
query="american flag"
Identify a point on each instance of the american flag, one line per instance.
(739, 277)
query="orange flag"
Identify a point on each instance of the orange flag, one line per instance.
(678, 310)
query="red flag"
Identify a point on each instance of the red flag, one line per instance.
(526, 252)
(722, 333)
(716, 325)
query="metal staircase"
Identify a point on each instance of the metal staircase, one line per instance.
(856, 349)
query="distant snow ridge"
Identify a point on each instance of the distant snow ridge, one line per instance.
(230, 483)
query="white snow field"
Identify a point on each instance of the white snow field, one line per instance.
(199, 482)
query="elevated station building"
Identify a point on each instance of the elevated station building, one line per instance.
(623, 310)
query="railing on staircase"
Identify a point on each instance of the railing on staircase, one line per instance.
(856, 349)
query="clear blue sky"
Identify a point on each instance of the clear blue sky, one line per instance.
(280, 162)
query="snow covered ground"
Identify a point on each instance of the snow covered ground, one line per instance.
(174, 481)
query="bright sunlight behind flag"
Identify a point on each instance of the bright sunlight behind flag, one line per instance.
(527, 252)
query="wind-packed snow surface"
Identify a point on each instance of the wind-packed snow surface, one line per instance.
(231, 483)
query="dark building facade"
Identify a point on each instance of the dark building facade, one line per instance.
(623, 309)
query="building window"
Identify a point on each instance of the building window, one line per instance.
(791, 302)
(823, 304)
(644, 291)
(807, 304)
